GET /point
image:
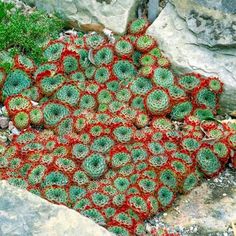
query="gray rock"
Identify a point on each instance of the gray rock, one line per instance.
(113, 14)
(22, 213)
(210, 22)
(187, 50)
(4, 122)
(153, 9)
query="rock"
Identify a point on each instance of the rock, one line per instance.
(4, 122)
(153, 9)
(15, 131)
(197, 38)
(22, 213)
(113, 14)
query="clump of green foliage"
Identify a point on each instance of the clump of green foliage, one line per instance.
(26, 33)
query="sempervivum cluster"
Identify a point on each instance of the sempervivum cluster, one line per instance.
(98, 128)
(102, 166)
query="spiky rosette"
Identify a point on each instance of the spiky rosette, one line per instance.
(124, 95)
(221, 150)
(147, 185)
(94, 40)
(16, 81)
(205, 97)
(102, 144)
(157, 102)
(21, 120)
(54, 112)
(17, 103)
(105, 96)
(145, 43)
(121, 184)
(138, 204)
(190, 182)
(123, 134)
(140, 86)
(156, 52)
(119, 156)
(142, 120)
(65, 126)
(189, 82)
(147, 60)
(215, 85)
(54, 50)
(163, 78)
(232, 140)
(79, 41)
(146, 71)
(123, 69)
(78, 76)
(76, 193)
(104, 56)
(136, 58)
(162, 124)
(36, 116)
(69, 62)
(123, 48)
(49, 85)
(168, 178)
(190, 144)
(138, 26)
(208, 161)
(18, 182)
(68, 93)
(118, 230)
(181, 110)
(165, 197)
(177, 94)
(102, 75)
(87, 102)
(163, 62)
(95, 165)
(36, 174)
(24, 63)
(138, 103)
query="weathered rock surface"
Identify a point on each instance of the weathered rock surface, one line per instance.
(112, 14)
(22, 213)
(200, 36)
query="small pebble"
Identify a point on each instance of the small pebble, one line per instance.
(11, 126)
(34, 103)
(15, 131)
(4, 121)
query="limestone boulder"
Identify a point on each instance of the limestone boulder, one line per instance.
(22, 213)
(200, 36)
(113, 14)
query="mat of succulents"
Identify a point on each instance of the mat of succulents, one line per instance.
(112, 132)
